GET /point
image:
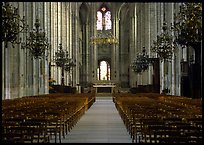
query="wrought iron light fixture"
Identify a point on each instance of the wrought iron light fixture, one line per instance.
(12, 24)
(62, 60)
(37, 42)
(141, 63)
(164, 45)
(188, 24)
(70, 65)
(104, 37)
(188, 29)
(61, 57)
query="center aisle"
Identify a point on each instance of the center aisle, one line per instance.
(100, 124)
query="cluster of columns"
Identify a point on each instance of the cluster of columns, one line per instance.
(146, 23)
(22, 75)
(64, 29)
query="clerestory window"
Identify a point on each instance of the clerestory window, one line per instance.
(103, 19)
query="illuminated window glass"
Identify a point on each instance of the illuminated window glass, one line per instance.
(99, 21)
(107, 20)
(103, 71)
(103, 19)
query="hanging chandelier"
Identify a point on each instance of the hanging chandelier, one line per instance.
(37, 42)
(69, 65)
(12, 24)
(188, 24)
(61, 56)
(141, 62)
(164, 45)
(104, 38)
(62, 60)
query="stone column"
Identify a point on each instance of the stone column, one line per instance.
(84, 61)
(72, 34)
(59, 38)
(116, 34)
(22, 55)
(147, 73)
(115, 52)
(13, 62)
(71, 40)
(94, 47)
(57, 41)
(29, 59)
(76, 57)
(179, 54)
(171, 74)
(153, 37)
(52, 45)
(87, 54)
(55, 74)
(8, 67)
(133, 44)
(3, 71)
(7, 71)
(123, 48)
(27, 6)
(35, 61)
(135, 38)
(143, 24)
(47, 25)
(68, 36)
(139, 44)
(64, 35)
(40, 66)
(41, 74)
(159, 30)
(73, 49)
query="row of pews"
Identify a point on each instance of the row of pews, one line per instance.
(156, 118)
(40, 119)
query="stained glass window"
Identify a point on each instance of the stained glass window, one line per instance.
(103, 19)
(99, 25)
(107, 20)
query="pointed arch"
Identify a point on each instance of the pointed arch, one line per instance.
(83, 13)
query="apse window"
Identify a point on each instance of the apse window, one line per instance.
(104, 71)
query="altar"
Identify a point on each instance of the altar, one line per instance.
(104, 87)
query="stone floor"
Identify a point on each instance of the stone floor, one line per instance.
(100, 124)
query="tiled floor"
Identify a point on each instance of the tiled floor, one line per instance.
(100, 124)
